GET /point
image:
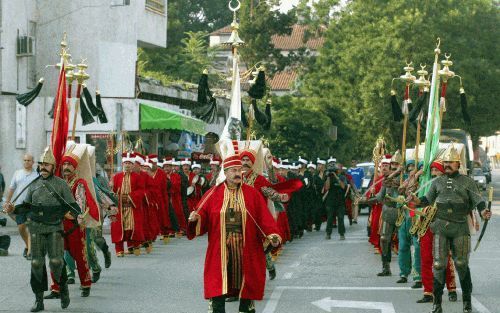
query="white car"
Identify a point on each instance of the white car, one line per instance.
(479, 178)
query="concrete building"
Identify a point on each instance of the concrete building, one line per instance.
(106, 34)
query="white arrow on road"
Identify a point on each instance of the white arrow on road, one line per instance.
(327, 304)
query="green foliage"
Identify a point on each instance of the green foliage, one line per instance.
(367, 45)
(258, 23)
(297, 129)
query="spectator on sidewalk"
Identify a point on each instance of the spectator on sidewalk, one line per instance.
(20, 180)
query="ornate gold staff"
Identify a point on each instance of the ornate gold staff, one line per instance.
(81, 76)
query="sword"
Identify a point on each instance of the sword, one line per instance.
(490, 199)
(22, 191)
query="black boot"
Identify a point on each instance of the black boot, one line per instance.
(3, 221)
(85, 292)
(436, 306)
(425, 299)
(38, 306)
(452, 296)
(64, 296)
(272, 274)
(466, 298)
(402, 280)
(386, 270)
(107, 257)
(96, 276)
(53, 295)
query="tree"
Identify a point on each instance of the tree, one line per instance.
(367, 45)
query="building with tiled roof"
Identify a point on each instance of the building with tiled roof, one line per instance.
(282, 82)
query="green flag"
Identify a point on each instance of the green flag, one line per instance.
(433, 129)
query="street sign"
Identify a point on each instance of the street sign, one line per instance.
(327, 304)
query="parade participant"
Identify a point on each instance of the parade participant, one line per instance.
(282, 221)
(334, 197)
(306, 193)
(295, 206)
(194, 190)
(154, 217)
(160, 188)
(455, 196)
(184, 172)
(234, 213)
(20, 180)
(376, 207)
(437, 170)
(75, 236)
(213, 174)
(175, 198)
(252, 178)
(127, 224)
(107, 203)
(408, 264)
(357, 174)
(47, 201)
(389, 211)
(318, 184)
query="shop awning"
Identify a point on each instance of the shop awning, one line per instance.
(156, 118)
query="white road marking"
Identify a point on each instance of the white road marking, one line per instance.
(288, 275)
(273, 301)
(327, 304)
(296, 264)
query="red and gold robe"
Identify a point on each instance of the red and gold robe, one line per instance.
(128, 184)
(376, 212)
(212, 210)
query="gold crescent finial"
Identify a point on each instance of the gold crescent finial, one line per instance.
(438, 42)
(408, 63)
(447, 55)
(234, 9)
(423, 66)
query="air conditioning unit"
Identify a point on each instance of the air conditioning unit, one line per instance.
(25, 46)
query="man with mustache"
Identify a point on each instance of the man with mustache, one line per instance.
(74, 234)
(47, 200)
(455, 196)
(437, 170)
(127, 224)
(390, 187)
(237, 220)
(259, 182)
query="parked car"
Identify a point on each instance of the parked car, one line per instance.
(479, 178)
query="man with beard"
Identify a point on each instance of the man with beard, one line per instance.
(455, 196)
(437, 170)
(259, 182)
(389, 212)
(127, 224)
(237, 220)
(47, 200)
(74, 235)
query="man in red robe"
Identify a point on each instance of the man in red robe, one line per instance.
(175, 198)
(151, 206)
(160, 189)
(74, 234)
(127, 224)
(213, 174)
(237, 220)
(376, 210)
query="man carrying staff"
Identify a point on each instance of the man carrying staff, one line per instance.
(237, 219)
(47, 200)
(455, 196)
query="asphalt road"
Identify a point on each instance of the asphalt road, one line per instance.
(314, 275)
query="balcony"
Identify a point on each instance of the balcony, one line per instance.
(157, 6)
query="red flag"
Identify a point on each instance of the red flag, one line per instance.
(61, 120)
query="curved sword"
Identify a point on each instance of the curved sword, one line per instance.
(490, 199)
